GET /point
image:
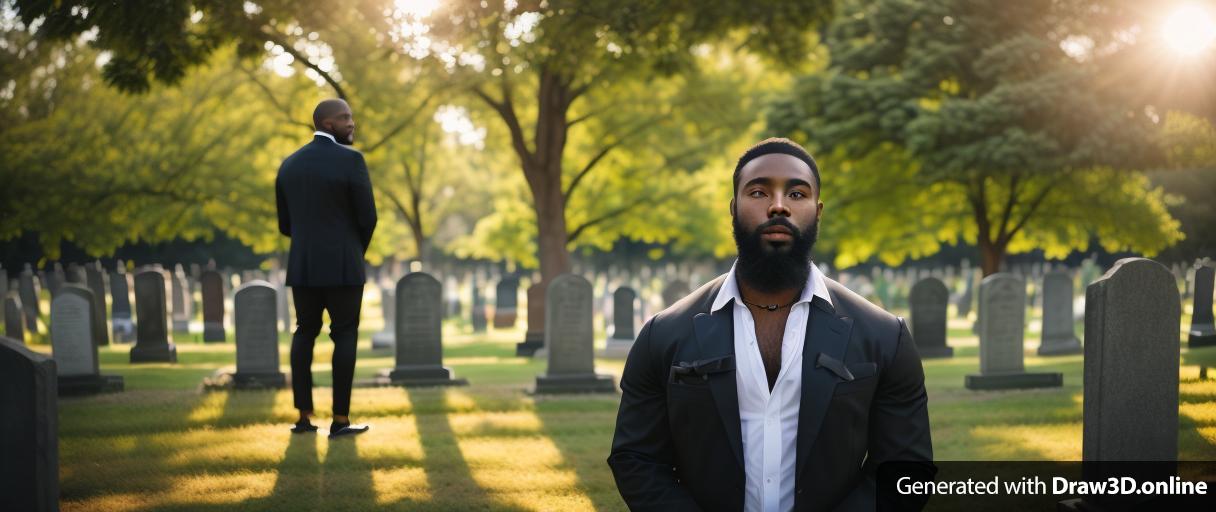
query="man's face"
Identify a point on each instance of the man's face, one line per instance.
(341, 125)
(776, 219)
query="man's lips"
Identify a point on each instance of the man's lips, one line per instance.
(777, 234)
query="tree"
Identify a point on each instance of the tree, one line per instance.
(979, 121)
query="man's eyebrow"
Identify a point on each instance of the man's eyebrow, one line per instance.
(791, 183)
(758, 181)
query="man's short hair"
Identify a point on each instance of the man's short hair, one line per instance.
(776, 145)
(325, 110)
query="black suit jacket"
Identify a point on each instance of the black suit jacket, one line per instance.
(325, 205)
(678, 444)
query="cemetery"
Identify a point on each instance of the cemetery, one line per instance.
(535, 187)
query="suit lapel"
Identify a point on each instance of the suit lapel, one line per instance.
(715, 337)
(825, 333)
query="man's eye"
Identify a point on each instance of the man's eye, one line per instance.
(797, 194)
(756, 193)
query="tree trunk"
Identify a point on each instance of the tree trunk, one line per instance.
(545, 175)
(991, 257)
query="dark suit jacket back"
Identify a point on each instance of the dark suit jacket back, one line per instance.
(325, 204)
(678, 442)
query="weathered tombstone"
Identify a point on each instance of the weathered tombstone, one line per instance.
(74, 345)
(622, 337)
(478, 310)
(419, 334)
(257, 337)
(29, 430)
(181, 300)
(506, 302)
(55, 278)
(14, 324)
(120, 307)
(928, 300)
(569, 340)
(1130, 408)
(1059, 337)
(212, 284)
(97, 285)
(152, 342)
(387, 338)
(534, 338)
(28, 290)
(674, 291)
(75, 274)
(1203, 330)
(1002, 302)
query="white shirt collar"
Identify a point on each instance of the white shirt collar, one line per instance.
(815, 287)
(326, 135)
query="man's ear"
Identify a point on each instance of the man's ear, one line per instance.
(732, 207)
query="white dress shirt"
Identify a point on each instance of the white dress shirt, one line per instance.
(326, 135)
(769, 421)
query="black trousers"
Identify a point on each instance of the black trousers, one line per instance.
(343, 304)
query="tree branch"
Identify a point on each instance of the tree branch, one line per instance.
(275, 101)
(1014, 182)
(507, 112)
(408, 120)
(276, 38)
(616, 212)
(641, 127)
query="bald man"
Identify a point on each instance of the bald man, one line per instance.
(325, 206)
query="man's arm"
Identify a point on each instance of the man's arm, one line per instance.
(281, 204)
(642, 458)
(363, 202)
(899, 429)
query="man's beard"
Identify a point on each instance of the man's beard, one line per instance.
(779, 268)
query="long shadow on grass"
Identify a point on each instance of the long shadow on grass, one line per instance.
(450, 478)
(584, 448)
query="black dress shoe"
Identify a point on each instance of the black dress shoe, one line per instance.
(303, 427)
(346, 429)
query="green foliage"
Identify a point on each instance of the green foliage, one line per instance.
(963, 120)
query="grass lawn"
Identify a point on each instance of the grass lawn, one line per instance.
(164, 444)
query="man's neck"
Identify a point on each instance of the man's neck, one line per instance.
(777, 297)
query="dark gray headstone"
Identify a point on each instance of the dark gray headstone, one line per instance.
(180, 293)
(419, 333)
(965, 300)
(55, 278)
(97, 285)
(212, 283)
(14, 323)
(928, 300)
(257, 337)
(152, 342)
(674, 291)
(387, 338)
(1059, 336)
(28, 289)
(1002, 319)
(120, 307)
(506, 302)
(1203, 330)
(75, 274)
(74, 343)
(622, 337)
(29, 430)
(569, 340)
(478, 310)
(1130, 406)
(534, 337)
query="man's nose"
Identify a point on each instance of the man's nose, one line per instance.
(777, 207)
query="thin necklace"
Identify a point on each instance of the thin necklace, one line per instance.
(770, 307)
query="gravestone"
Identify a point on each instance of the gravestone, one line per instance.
(534, 337)
(506, 302)
(1002, 320)
(29, 430)
(75, 274)
(478, 310)
(28, 290)
(387, 337)
(212, 284)
(674, 291)
(1059, 337)
(97, 285)
(74, 345)
(928, 300)
(14, 323)
(120, 307)
(181, 300)
(623, 334)
(451, 296)
(569, 340)
(152, 342)
(1132, 348)
(55, 278)
(257, 337)
(1203, 330)
(419, 334)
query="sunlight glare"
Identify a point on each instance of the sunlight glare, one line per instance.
(1189, 30)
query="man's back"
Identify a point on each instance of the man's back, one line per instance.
(325, 205)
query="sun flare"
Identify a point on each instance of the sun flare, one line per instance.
(1189, 30)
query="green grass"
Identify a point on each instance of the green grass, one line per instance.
(164, 444)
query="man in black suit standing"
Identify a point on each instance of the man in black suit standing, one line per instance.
(325, 205)
(770, 388)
